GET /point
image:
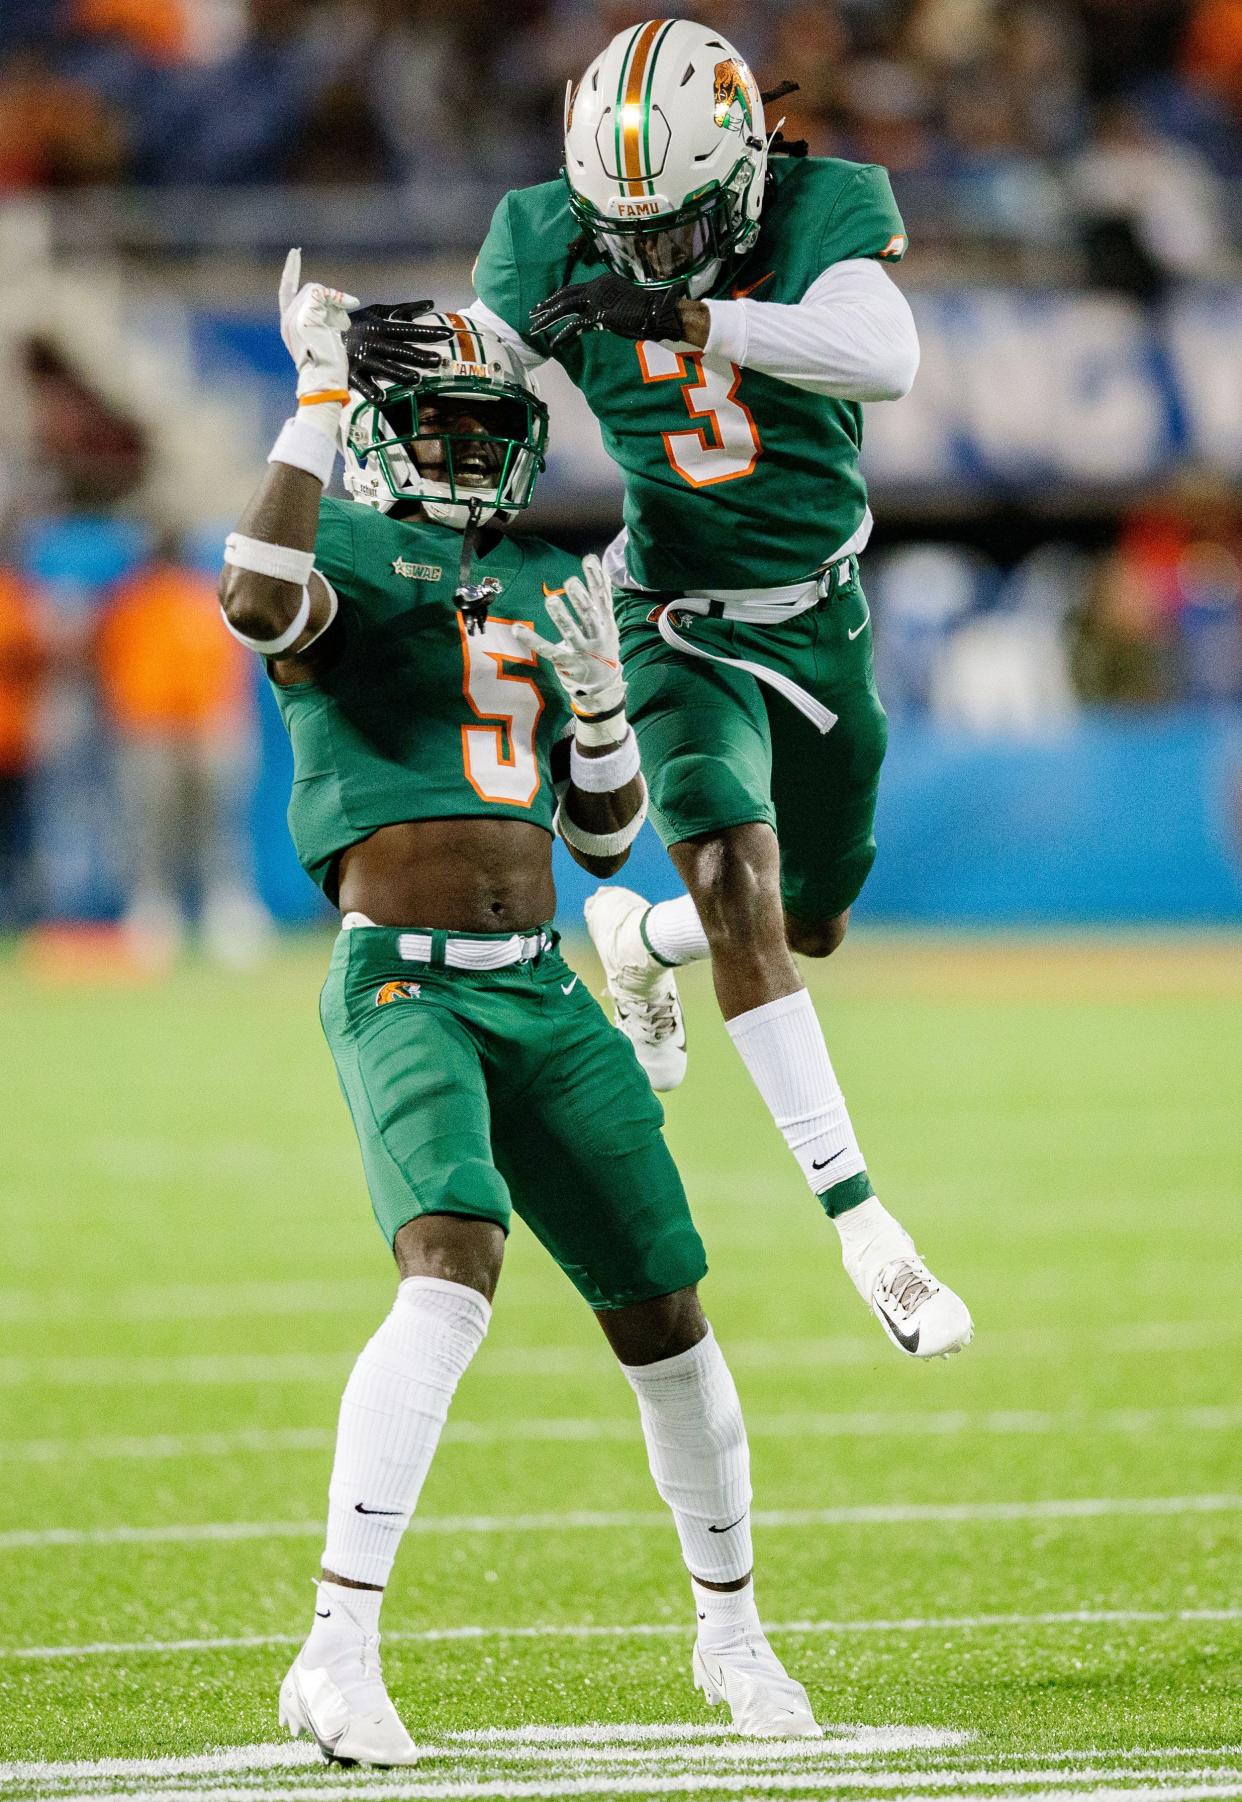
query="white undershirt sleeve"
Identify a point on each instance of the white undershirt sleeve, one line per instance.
(852, 335)
(483, 315)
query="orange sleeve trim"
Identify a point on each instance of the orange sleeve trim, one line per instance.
(340, 395)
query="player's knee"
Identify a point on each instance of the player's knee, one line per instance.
(816, 938)
(456, 1248)
(734, 877)
(648, 1331)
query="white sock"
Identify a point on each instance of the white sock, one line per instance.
(343, 1616)
(673, 932)
(697, 1450)
(726, 1617)
(782, 1046)
(394, 1405)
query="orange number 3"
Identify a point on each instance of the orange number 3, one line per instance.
(726, 445)
(499, 755)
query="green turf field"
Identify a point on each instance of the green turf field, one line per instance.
(1017, 1572)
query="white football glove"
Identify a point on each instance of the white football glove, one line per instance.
(587, 660)
(313, 321)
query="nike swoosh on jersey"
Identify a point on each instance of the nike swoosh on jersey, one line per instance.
(857, 629)
(566, 987)
(741, 293)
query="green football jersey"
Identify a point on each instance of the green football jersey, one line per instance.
(732, 479)
(412, 716)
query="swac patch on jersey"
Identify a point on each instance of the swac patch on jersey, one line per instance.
(397, 991)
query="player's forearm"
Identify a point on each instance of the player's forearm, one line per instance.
(284, 512)
(269, 599)
(852, 335)
(602, 815)
(605, 803)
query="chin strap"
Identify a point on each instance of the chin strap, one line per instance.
(473, 600)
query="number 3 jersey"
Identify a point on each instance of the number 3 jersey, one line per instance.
(733, 479)
(411, 716)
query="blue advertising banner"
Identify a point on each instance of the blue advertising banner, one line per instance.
(1115, 819)
(1018, 391)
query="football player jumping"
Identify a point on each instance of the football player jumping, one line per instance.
(721, 300)
(440, 736)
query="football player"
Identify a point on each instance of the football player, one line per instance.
(722, 301)
(453, 697)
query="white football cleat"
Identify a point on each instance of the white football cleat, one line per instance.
(922, 1317)
(644, 992)
(345, 1708)
(764, 1700)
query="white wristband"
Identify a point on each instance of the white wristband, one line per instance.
(601, 844)
(600, 775)
(272, 647)
(264, 559)
(303, 445)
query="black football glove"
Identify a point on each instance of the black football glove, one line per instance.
(389, 342)
(607, 304)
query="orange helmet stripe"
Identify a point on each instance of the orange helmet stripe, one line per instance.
(632, 111)
(468, 347)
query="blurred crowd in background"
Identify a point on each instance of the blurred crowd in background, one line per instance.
(1039, 110)
(1095, 143)
(1112, 122)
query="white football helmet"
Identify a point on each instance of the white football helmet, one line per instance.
(479, 475)
(666, 154)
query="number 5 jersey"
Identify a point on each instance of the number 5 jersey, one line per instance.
(410, 715)
(733, 479)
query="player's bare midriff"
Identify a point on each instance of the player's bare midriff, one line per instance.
(462, 875)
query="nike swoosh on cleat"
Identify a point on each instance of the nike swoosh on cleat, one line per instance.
(817, 1164)
(359, 1509)
(729, 1528)
(907, 1341)
(857, 629)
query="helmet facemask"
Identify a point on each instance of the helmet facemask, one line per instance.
(414, 445)
(686, 246)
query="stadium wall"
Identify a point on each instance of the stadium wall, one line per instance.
(1112, 819)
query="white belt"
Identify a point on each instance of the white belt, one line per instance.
(761, 610)
(463, 954)
(768, 607)
(821, 717)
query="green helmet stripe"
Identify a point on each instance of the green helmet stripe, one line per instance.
(651, 64)
(617, 109)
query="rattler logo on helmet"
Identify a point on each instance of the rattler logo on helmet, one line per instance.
(730, 82)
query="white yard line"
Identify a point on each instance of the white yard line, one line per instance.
(870, 1424)
(197, 1301)
(946, 1623)
(106, 1370)
(896, 1786)
(579, 1520)
(679, 1758)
